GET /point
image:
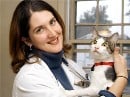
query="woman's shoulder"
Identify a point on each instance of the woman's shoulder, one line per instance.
(32, 74)
(32, 68)
(33, 65)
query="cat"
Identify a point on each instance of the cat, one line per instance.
(103, 74)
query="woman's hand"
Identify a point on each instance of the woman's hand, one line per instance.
(122, 75)
(120, 64)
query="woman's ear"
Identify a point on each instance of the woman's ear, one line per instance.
(27, 41)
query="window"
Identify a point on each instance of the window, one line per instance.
(102, 14)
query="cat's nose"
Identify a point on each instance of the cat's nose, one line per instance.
(96, 48)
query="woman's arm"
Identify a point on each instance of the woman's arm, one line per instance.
(122, 75)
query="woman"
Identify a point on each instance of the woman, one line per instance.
(37, 49)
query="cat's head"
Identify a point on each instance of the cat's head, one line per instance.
(103, 44)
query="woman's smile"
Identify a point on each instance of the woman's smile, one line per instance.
(53, 41)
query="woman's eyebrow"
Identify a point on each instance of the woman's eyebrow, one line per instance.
(53, 18)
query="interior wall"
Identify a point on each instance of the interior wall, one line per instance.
(6, 10)
(0, 48)
(7, 7)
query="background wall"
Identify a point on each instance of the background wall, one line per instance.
(0, 48)
(7, 7)
(6, 10)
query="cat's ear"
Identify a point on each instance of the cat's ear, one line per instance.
(114, 37)
(113, 41)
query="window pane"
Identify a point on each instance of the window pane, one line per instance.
(126, 47)
(82, 46)
(111, 11)
(115, 29)
(126, 32)
(84, 32)
(127, 11)
(86, 11)
(127, 56)
(84, 59)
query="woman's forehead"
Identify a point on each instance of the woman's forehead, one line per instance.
(40, 17)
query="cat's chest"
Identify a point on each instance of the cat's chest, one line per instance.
(104, 71)
(101, 68)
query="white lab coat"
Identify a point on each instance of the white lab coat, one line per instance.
(36, 80)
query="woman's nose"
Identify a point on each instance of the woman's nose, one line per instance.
(51, 31)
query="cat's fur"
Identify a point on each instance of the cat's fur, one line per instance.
(102, 76)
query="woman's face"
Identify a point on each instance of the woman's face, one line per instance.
(45, 32)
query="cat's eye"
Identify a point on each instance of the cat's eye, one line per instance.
(94, 41)
(105, 44)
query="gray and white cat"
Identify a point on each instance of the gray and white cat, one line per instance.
(103, 74)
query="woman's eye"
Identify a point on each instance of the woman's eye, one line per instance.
(53, 21)
(39, 30)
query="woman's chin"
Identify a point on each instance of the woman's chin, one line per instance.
(56, 50)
